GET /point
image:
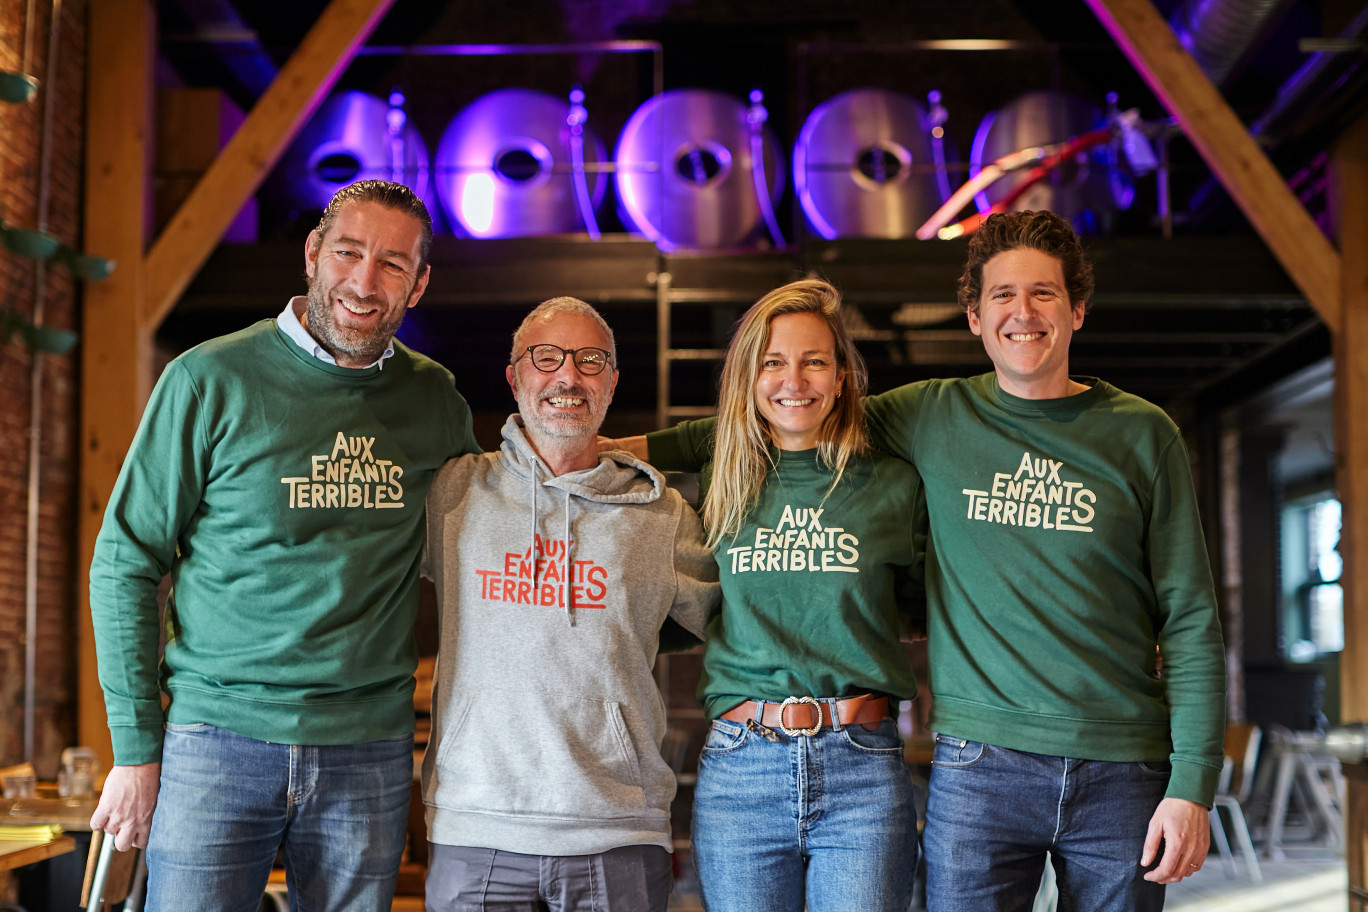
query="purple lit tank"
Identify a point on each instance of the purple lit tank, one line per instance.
(348, 139)
(505, 168)
(1078, 188)
(685, 170)
(863, 166)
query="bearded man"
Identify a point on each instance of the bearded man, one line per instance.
(279, 477)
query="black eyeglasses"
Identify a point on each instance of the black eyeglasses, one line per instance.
(548, 358)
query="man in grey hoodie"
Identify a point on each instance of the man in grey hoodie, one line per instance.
(556, 567)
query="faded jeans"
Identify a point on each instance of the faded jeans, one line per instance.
(827, 819)
(228, 803)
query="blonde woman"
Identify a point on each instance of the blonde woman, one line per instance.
(802, 798)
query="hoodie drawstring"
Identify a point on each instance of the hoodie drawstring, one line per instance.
(565, 577)
(532, 539)
(566, 564)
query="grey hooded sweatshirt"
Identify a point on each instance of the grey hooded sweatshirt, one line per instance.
(547, 722)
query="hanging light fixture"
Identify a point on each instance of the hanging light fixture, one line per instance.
(40, 245)
(17, 88)
(29, 242)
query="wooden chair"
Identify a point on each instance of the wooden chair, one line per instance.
(111, 876)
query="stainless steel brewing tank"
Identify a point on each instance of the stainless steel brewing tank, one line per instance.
(348, 139)
(504, 167)
(863, 166)
(1037, 119)
(685, 175)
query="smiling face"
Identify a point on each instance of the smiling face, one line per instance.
(564, 404)
(362, 278)
(798, 380)
(1026, 322)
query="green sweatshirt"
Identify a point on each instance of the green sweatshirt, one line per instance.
(812, 583)
(285, 498)
(1065, 546)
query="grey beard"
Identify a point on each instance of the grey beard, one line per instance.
(362, 346)
(560, 428)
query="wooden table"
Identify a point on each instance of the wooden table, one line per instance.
(73, 816)
(15, 853)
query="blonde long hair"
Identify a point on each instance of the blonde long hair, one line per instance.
(741, 455)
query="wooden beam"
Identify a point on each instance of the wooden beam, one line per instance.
(115, 347)
(1350, 188)
(1229, 150)
(298, 89)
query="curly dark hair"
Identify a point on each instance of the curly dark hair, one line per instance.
(391, 196)
(1038, 230)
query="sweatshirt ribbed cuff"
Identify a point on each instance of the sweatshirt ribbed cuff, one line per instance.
(136, 744)
(1193, 782)
(666, 449)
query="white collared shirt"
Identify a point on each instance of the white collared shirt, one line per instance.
(291, 326)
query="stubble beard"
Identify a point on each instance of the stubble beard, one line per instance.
(558, 427)
(365, 346)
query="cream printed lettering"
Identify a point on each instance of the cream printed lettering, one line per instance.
(1034, 496)
(537, 576)
(349, 476)
(799, 543)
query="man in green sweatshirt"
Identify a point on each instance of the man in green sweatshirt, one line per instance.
(279, 477)
(1065, 549)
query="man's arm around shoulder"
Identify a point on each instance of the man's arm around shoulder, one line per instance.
(697, 592)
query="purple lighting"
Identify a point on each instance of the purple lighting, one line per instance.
(505, 167)
(353, 136)
(685, 170)
(862, 165)
(477, 204)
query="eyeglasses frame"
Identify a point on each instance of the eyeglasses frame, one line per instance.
(567, 353)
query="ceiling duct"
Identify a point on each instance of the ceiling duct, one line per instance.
(218, 25)
(1310, 108)
(1219, 33)
(1305, 96)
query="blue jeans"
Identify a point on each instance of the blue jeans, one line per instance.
(228, 803)
(827, 819)
(994, 813)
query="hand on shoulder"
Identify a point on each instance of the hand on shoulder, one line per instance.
(634, 445)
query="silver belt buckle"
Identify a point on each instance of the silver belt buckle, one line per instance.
(789, 701)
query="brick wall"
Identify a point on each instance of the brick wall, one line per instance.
(20, 132)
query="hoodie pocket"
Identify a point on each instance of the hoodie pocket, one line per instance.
(538, 755)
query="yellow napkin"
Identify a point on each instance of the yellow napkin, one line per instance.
(37, 831)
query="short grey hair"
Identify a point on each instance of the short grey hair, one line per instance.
(562, 305)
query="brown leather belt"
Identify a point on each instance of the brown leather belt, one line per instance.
(807, 716)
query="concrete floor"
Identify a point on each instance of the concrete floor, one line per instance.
(1295, 885)
(1320, 885)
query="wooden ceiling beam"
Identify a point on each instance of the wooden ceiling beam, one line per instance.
(1232, 154)
(301, 85)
